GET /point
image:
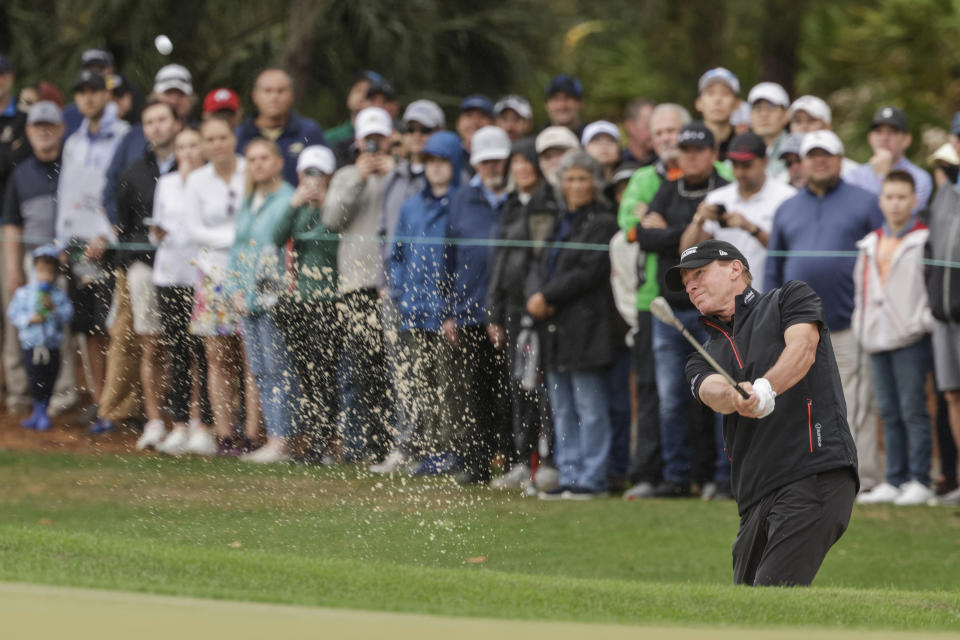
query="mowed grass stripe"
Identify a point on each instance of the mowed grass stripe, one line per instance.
(84, 614)
(335, 537)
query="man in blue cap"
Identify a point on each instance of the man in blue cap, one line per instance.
(564, 95)
(476, 112)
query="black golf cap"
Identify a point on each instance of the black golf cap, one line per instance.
(701, 255)
(746, 147)
(88, 78)
(695, 135)
(890, 116)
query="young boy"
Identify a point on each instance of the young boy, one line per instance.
(892, 320)
(717, 92)
(39, 311)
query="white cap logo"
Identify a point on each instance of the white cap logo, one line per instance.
(721, 252)
(221, 95)
(887, 112)
(688, 252)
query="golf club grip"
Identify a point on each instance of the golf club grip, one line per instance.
(713, 363)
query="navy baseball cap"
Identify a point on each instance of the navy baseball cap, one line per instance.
(700, 255)
(477, 101)
(696, 134)
(5, 65)
(566, 84)
(747, 146)
(100, 57)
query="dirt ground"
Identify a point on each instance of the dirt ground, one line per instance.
(62, 437)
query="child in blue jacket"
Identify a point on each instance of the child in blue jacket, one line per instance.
(39, 311)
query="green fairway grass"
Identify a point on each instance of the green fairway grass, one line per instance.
(338, 537)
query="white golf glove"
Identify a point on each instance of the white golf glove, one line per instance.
(765, 397)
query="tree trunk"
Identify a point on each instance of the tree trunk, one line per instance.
(297, 52)
(781, 28)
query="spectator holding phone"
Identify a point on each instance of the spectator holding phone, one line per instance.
(353, 208)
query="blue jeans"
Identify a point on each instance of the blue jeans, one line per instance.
(276, 381)
(618, 379)
(677, 421)
(899, 377)
(581, 421)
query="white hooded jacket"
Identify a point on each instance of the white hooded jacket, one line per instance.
(896, 313)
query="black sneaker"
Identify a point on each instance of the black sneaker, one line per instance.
(559, 492)
(667, 489)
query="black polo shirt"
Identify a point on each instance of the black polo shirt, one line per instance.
(807, 432)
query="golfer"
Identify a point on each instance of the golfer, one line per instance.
(793, 461)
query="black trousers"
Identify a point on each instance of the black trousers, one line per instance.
(785, 536)
(530, 409)
(645, 462)
(313, 336)
(41, 373)
(175, 305)
(487, 425)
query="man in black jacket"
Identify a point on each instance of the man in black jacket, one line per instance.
(793, 460)
(135, 294)
(684, 430)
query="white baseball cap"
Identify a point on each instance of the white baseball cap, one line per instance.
(173, 76)
(517, 103)
(771, 92)
(426, 112)
(317, 157)
(489, 143)
(556, 136)
(813, 106)
(594, 129)
(824, 139)
(373, 120)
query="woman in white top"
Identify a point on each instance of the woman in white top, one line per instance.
(175, 276)
(214, 194)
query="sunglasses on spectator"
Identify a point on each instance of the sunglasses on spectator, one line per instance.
(417, 128)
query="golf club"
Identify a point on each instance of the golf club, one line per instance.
(661, 310)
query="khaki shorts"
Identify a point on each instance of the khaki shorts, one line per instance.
(143, 299)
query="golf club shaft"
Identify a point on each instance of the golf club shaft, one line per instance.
(713, 363)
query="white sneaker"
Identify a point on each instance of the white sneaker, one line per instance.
(395, 462)
(153, 434)
(883, 492)
(639, 491)
(175, 444)
(516, 478)
(268, 453)
(949, 498)
(913, 493)
(546, 478)
(201, 442)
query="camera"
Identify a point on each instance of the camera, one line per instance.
(371, 146)
(721, 209)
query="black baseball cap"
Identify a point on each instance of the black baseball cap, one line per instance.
(746, 146)
(696, 134)
(566, 84)
(89, 78)
(890, 116)
(701, 255)
(99, 57)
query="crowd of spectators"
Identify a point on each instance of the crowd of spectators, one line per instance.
(475, 300)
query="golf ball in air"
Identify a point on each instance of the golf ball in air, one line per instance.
(163, 44)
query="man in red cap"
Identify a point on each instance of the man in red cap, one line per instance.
(223, 103)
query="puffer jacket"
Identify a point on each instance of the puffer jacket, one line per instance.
(896, 313)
